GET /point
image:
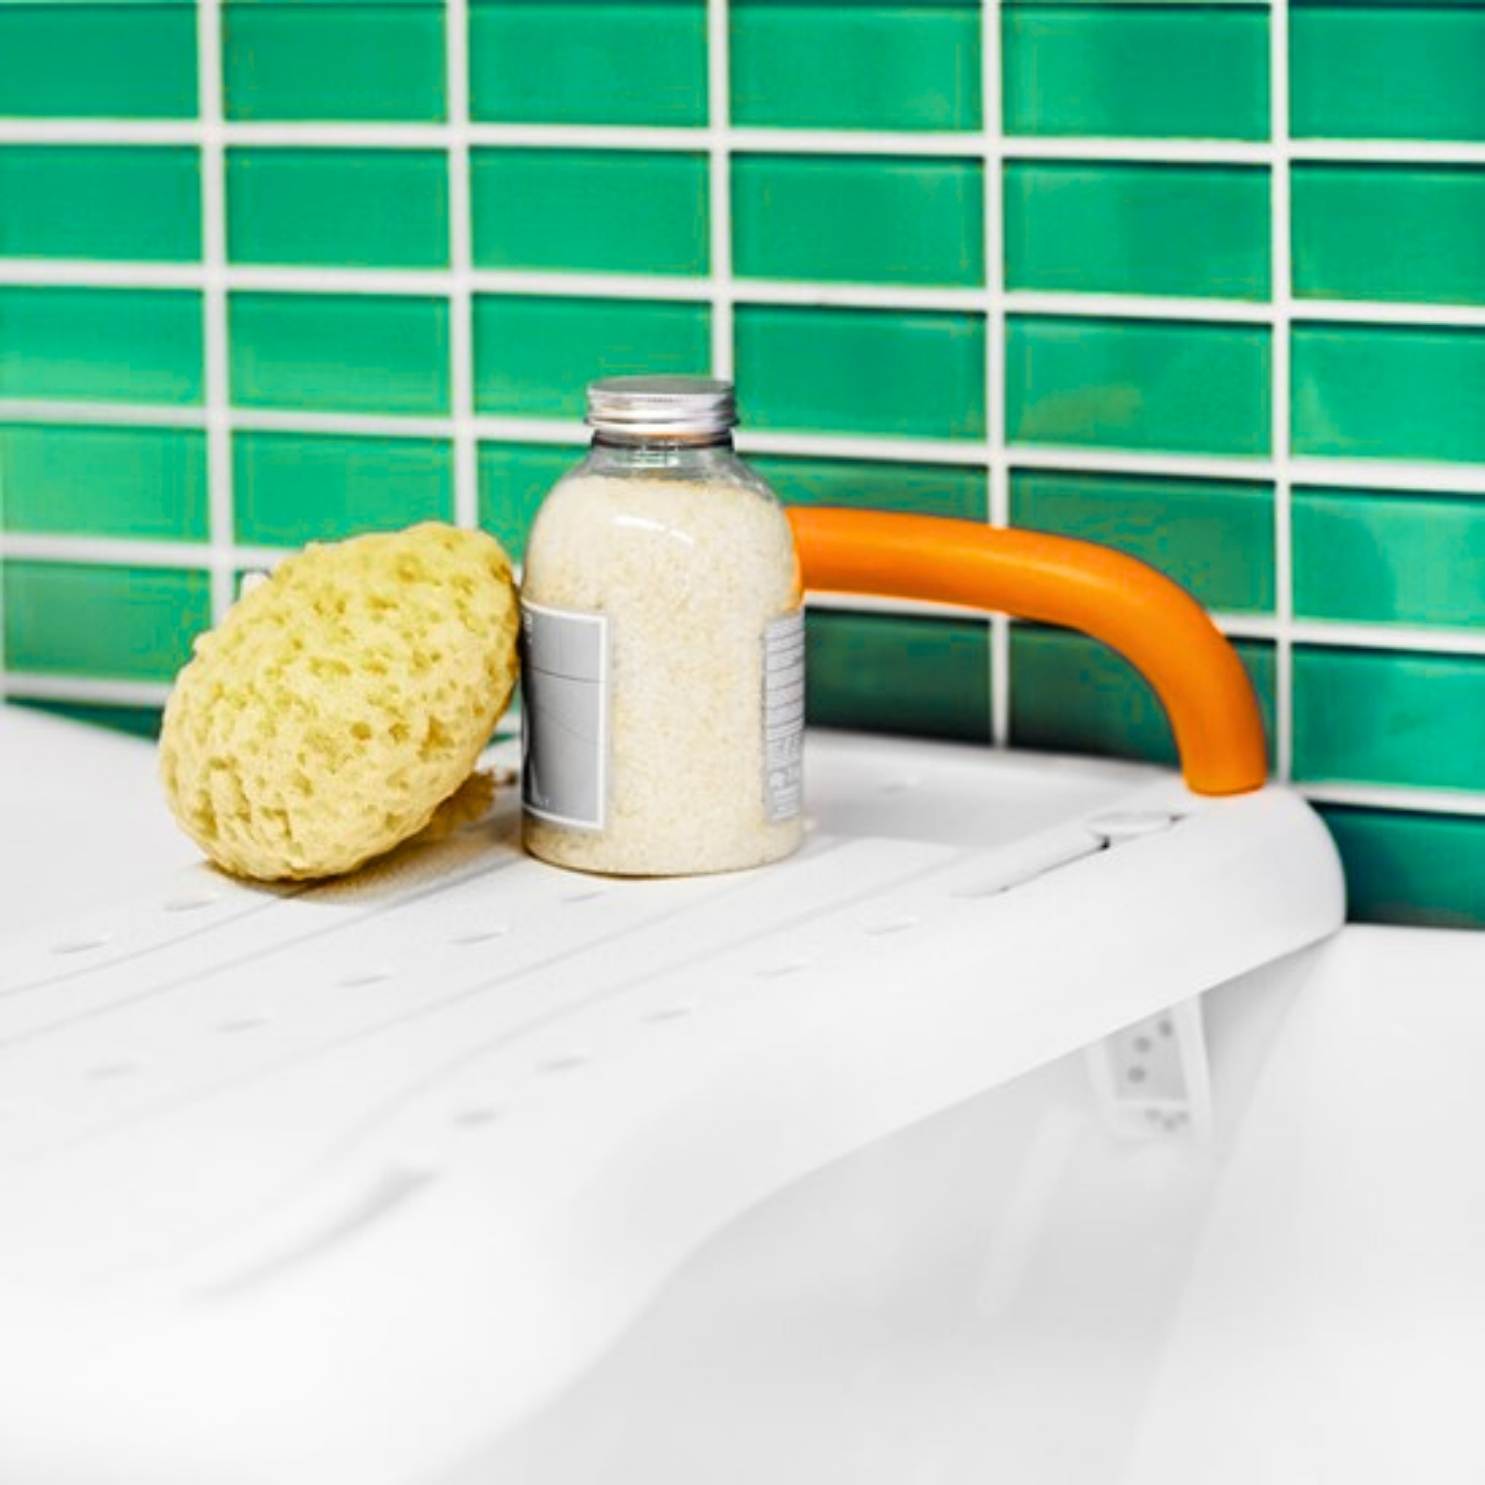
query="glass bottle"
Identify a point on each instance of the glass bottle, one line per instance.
(663, 671)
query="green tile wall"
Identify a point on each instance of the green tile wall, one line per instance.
(801, 217)
(817, 215)
(927, 677)
(336, 207)
(894, 65)
(828, 369)
(52, 612)
(1138, 384)
(302, 59)
(290, 488)
(100, 201)
(141, 482)
(1180, 70)
(537, 208)
(601, 62)
(1114, 228)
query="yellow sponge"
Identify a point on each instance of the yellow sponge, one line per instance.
(341, 702)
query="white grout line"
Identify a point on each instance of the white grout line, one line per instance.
(1382, 797)
(719, 286)
(907, 298)
(995, 342)
(220, 511)
(965, 144)
(1281, 291)
(461, 250)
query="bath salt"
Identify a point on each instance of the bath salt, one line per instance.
(664, 648)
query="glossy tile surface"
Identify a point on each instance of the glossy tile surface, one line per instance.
(862, 370)
(1194, 71)
(298, 59)
(883, 673)
(1427, 870)
(100, 201)
(106, 345)
(1401, 71)
(148, 483)
(534, 356)
(913, 64)
(864, 219)
(568, 62)
(290, 488)
(1113, 228)
(356, 207)
(124, 623)
(608, 211)
(1389, 232)
(1379, 557)
(1138, 384)
(63, 60)
(339, 352)
(1388, 392)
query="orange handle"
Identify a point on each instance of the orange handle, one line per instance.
(1154, 623)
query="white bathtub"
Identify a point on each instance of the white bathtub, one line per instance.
(1009, 1291)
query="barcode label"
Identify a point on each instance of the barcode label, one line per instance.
(783, 716)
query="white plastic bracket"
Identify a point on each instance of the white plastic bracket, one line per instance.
(1151, 1079)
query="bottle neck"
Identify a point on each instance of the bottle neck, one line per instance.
(680, 455)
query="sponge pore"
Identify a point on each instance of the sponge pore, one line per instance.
(341, 702)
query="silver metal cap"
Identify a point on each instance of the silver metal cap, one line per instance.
(661, 406)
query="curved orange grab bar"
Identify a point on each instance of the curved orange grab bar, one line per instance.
(1154, 623)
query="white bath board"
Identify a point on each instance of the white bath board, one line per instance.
(329, 1185)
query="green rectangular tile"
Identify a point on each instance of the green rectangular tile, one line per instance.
(116, 345)
(533, 356)
(868, 65)
(1199, 72)
(1214, 537)
(1389, 717)
(133, 721)
(140, 482)
(290, 488)
(1135, 384)
(885, 673)
(122, 623)
(588, 61)
(340, 352)
(1424, 870)
(300, 59)
(865, 218)
(1395, 71)
(1412, 232)
(1388, 392)
(861, 370)
(1389, 557)
(1070, 694)
(923, 489)
(65, 60)
(1111, 228)
(514, 480)
(334, 207)
(100, 201)
(607, 211)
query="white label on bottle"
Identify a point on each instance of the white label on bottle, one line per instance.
(783, 716)
(564, 716)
